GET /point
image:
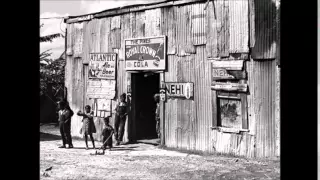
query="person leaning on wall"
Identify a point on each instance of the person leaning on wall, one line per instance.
(120, 119)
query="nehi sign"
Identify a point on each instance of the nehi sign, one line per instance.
(179, 90)
(145, 53)
(102, 65)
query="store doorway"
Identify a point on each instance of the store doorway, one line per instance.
(144, 87)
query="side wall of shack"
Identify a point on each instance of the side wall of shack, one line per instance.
(197, 34)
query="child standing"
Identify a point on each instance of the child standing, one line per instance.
(120, 119)
(65, 125)
(107, 133)
(88, 125)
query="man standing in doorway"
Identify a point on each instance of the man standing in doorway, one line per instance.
(120, 119)
(157, 99)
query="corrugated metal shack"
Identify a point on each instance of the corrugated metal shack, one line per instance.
(215, 63)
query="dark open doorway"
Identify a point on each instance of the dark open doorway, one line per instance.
(144, 86)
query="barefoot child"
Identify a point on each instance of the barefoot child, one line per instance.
(88, 125)
(107, 133)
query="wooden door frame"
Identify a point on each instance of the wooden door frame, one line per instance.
(131, 115)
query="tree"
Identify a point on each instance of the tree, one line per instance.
(51, 71)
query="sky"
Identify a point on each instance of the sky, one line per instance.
(61, 8)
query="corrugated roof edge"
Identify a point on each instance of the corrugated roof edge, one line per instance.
(126, 9)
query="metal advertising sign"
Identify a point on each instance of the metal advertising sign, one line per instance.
(102, 65)
(229, 86)
(145, 53)
(179, 90)
(101, 89)
(162, 95)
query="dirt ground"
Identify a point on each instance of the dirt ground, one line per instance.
(142, 161)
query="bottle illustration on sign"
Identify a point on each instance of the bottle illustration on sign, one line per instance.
(157, 58)
(187, 90)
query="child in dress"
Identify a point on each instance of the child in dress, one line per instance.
(88, 125)
(107, 133)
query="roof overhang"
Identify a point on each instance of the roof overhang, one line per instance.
(127, 9)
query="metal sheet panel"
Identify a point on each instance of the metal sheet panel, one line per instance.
(168, 27)
(139, 22)
(198, 28)
(183, 31)
(105, 35)
(152, 22)
(265, 29)
(277, 111)
(69, 39)
(264, 105)
(78, 39)
(87, 41)
(171, 104)
(115, 32)
(239, 26)
(94, 27)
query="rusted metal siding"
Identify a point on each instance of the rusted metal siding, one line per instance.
(69, 39)
(277, 111)
(239, 26)
(139, 23)
(183, 31)
(265, 29)
(187, 121)
(250, 97)
(234, 144)
(168, 28)
(105, 35)
(264, 106)
(203, 106)
(75, 93)
(86, 47)
(198, 28)
(115, 32)
(218, 29)
(152, 22)
(171, 104)
(77, 39)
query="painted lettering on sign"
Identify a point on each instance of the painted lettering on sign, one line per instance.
(141, 50)
(101, 89)
(145, 53)
(221, 74)
(183, 90)
(229, 86)
(102, 66)
(228, 65)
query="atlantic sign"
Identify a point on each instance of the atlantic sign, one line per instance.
(145, 53)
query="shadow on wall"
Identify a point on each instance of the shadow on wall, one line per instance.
(266, 23)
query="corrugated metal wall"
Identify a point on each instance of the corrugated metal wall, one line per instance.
(264, 75)
(193, 34)
(265, 33)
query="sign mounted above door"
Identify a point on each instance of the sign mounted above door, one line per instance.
(145, 53)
